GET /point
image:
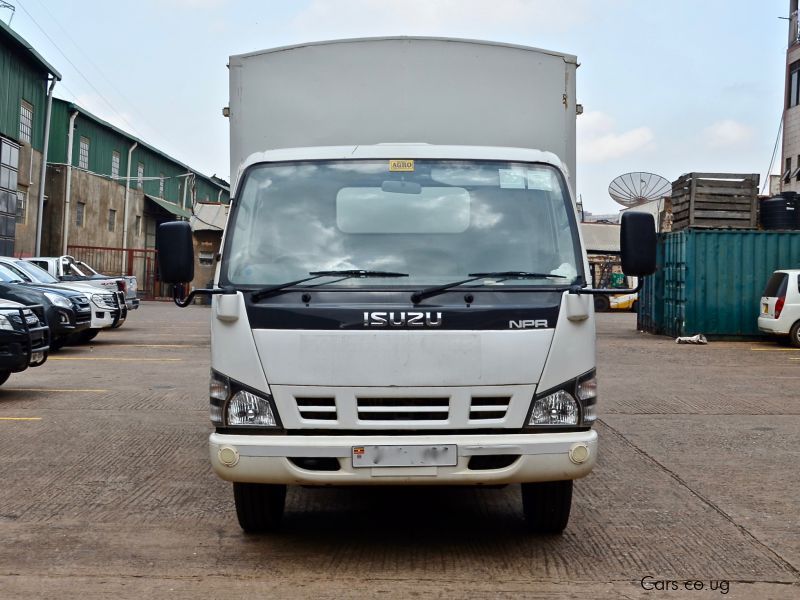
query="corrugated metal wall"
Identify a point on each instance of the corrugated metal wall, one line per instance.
(710, 281)
(103, 141)
(19, 80)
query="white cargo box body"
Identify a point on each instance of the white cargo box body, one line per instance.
(402, 90)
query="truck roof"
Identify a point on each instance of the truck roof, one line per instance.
(571, 58)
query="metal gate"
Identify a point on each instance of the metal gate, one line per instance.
(140, 262)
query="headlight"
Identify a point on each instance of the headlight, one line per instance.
(246, 409)
(558, 408)
(233, 406)
(103, 301)
(58, 300)
(5, 323)
(570, 405)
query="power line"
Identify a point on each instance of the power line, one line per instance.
(86, 79)
(9, 7)
(774, 153)
(97, 68)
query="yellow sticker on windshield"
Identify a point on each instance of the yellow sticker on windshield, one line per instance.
(397, 164)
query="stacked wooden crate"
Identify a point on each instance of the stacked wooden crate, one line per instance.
(719, 200)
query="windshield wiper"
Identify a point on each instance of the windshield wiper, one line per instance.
(344, 274)
(417, 297)
(357, 273)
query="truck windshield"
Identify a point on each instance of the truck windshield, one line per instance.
(437, 220)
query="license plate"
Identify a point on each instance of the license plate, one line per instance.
(441, 455)
(765, 308)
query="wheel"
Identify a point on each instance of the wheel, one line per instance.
(794, 335)
(4, 375)
(87, 336)
(546, 505)
(259, 506)
(601, 303)
(635, 307)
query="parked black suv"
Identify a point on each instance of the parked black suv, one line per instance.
(24, 338)
(66, 312)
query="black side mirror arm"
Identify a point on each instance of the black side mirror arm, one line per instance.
(600, 291)
(184, 302)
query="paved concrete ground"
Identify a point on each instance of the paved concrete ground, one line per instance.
(107, 491)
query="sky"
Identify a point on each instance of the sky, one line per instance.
(667, 87)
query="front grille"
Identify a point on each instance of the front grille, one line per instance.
(403, 409)
(321, 409)
(488, 407)
(83, 317)
(80, 303)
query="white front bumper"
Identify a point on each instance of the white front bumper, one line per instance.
(265, 458)
(107, 320)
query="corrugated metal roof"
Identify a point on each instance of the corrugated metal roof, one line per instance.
(209, 217)
(23, 45)
(170, 207)
(213, 180)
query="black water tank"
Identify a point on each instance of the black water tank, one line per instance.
(781, 212)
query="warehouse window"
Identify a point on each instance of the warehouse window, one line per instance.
(793, 86)
(205, 259)
(80, 209)
(112, 219)
(22, 208)
(114, 164)
(161, 185)
(138, 228)
(140, 175)
(787, 170)
(25, 121)
(83, 154)
(9, 163)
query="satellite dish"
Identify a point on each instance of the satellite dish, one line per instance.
(633, 189)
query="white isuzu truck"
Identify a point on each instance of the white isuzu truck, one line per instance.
(402, 296)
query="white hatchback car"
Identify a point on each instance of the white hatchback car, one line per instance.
(780, 305)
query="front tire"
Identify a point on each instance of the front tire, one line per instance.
(794, 335)
(259, 506)
(4, 375)
(546, 505)
(601, 303)
(84, 337)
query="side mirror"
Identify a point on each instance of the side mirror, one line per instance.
(175, 252)
(637, 240)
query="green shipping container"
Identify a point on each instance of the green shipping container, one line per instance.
(710, 281)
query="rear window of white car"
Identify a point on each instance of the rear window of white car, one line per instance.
(776, 286)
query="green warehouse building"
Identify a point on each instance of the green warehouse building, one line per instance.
(26, 84)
